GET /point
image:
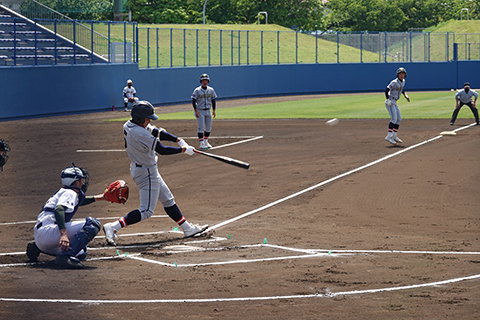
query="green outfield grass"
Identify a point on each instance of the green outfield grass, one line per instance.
(423, 105)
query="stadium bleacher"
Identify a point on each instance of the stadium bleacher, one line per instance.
(22, 42)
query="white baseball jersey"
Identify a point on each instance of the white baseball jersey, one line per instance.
(46, 231)
(396, 88)
(466, 97)
(204, 97)
(65, 197)
(140, 144)
(129, 92)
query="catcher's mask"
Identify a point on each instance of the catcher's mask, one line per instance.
(4, 148)
(141, 110)
(400, 70)
(204, 77)
(72, 174)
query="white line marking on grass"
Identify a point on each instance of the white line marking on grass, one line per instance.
(207, 300)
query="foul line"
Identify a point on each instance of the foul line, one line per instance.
(330, 180)
(328, 294)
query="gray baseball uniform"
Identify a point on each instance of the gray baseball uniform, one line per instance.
(203, 98)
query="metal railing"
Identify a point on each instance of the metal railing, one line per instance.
(176, 47)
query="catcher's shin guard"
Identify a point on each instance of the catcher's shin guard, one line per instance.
(83, 237)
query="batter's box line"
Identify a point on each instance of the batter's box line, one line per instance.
(309, 254)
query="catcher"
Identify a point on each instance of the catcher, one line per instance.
(56, 233)
(129, 93)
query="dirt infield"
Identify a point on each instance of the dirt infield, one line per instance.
(396, 239)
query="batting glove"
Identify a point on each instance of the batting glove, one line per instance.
(189, 150)
(182, 143)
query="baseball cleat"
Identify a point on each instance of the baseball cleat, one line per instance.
(68, 262)
(451, 123)
(390, 139)
(109, 234)
(203, 146)
(397, 139)
(195, 230)
(208, 144)
(32, 251)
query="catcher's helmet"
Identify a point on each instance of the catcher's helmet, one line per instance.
(72, 174)
(204, 77)
(400, 70)
(141, 110)
(129, 81)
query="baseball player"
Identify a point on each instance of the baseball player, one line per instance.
(129, 94)
(55, 232)
(464, 97)
(392, 93)
(4, 148)
(142, 143)
(203, 98)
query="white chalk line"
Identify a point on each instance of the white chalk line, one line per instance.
(234, 143)
(248, 139)
(329, 180)
(209, 300)
(106, 218)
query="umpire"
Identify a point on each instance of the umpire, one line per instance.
(464, 97)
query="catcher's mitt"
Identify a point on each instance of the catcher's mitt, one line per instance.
(132, 100)
(116, 191)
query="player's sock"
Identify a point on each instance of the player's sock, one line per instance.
(390, 133)
(132, 217)
(116, 225)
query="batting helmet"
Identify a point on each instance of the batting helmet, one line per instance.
(141, 110)
(204, 77)
(72, 174)
(400, 70)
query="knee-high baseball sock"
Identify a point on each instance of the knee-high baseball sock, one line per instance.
(132, 217)
(176, 215)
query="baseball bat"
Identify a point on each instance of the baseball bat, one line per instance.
(227, 160)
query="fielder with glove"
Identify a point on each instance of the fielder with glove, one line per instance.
(142, 143)
(56, 233)
(129, 93)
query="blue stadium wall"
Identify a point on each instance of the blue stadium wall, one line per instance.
(55, 90)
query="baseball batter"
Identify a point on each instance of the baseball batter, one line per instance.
(203, 99)
(4, 148)
(392, 94)
(129, 93)
(464, 97)
(142, 143)
(55, 232)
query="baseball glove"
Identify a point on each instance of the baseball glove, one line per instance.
(117, 192)
(132, 100)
